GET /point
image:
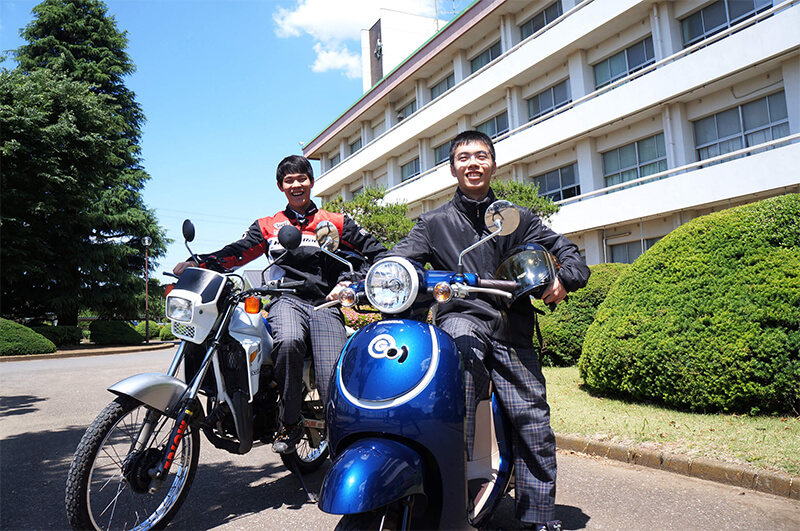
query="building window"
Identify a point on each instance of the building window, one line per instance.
(407, 111)
(494, 127)
(355, 146)
(486, 57)
(541, 19)
(626, 253)
(639, 159)
(717, 17)
(559, 184)
(550, 99)
(409, 170)
(747, 125)
(443, 86)
(441, 153)
(336, 159)
(624, 63)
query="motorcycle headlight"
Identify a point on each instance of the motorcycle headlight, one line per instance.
(179, 309)
(391, 285)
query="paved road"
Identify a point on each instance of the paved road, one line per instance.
(45, 405)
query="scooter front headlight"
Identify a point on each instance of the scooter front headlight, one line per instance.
(179, 309)
(391, 285)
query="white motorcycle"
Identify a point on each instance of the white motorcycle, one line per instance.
(135, 464)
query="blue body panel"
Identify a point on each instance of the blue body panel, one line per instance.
(370, 474)
(418, 402)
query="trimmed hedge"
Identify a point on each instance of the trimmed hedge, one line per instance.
(709, 318)
(154, 329)
(19, 340)
(60, 335)
(564, 328)
(166, 333)
(113, 333)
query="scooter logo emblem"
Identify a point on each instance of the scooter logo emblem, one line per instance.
(384, 346)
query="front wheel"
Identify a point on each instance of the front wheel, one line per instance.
(109, 487)
(393, 517)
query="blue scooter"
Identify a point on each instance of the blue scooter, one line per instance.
(396, 410)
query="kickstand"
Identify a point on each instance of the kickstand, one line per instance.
(313, 498)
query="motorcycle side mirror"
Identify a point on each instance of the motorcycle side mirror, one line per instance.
(188, 230)
(289, 237)
(503, 215)
(327, 236)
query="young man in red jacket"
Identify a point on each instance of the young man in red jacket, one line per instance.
(295, 325)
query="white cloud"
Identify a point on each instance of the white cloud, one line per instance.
(335, 26)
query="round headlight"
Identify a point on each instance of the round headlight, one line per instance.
(391, 285)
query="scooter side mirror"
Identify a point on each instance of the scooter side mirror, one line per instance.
(289, 237)
(188, 230)
(327, 236)
(503, 215)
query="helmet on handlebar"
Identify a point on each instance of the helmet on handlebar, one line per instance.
(532, 267)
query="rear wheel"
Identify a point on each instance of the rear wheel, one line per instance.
(307, 458)
(109, 486)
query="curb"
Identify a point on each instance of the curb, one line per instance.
(96, 351)
(709, 469)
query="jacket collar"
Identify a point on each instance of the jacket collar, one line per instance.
(474, 210)
(298, 219)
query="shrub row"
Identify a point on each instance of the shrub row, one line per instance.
(114, 333)
(60, 335)
(18, 340)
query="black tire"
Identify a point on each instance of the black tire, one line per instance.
(388, 518)
(100, 495)
(305, 457)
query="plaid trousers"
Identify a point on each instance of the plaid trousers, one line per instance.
(296, 328)
(520, 387)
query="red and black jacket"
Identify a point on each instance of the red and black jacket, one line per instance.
(307, 263)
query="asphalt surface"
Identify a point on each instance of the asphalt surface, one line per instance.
(46, 404)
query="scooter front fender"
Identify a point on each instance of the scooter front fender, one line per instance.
(369, 474)
(157, 390)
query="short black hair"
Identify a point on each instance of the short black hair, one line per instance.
(294, 164)
(467, 137)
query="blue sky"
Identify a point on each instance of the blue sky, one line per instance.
(229, 88)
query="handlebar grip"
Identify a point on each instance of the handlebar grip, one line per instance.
(505, 285)
(291, 284)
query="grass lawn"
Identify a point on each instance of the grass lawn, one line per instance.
(763, 442)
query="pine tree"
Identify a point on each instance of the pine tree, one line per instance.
(92, 256)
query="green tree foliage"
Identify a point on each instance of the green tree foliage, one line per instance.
(60, 335)
(73, 215)
(525, 195)
(18, 340)
(563, 329)
(113, 333)
(709, 318)
(152, 328)
(386, 221)
(165, 334)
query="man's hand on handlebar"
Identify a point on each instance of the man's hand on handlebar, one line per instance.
(183, 266)
(334, 294)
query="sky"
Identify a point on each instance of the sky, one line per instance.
(229, 88)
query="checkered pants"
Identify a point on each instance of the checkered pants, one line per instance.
(520, 386)
(296, 327)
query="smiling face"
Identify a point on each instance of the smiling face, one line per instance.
(473, 166)
(297, 187)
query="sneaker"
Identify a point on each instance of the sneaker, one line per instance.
(554, 525)
(287, 439)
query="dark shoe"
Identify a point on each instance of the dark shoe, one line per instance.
(554, 525)
(287, 439)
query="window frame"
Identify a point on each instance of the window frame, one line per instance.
(448, 82)
(555, 105)
(416, 169)
(493, 120)
(639, 165)
(546, 16)
(628, 68)
(350, 146)
(438, 160)
(496, 48)
(699, 15)
(557, 194)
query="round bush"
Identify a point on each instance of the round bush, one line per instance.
(166, 333)
(60, 335)
(153, 329)
(19, 340)
(564, 328)
(709, 318)
(113, 333)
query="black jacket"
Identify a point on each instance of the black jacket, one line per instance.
(439, 237)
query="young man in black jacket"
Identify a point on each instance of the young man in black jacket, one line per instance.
(497, 343)
(294, 323)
